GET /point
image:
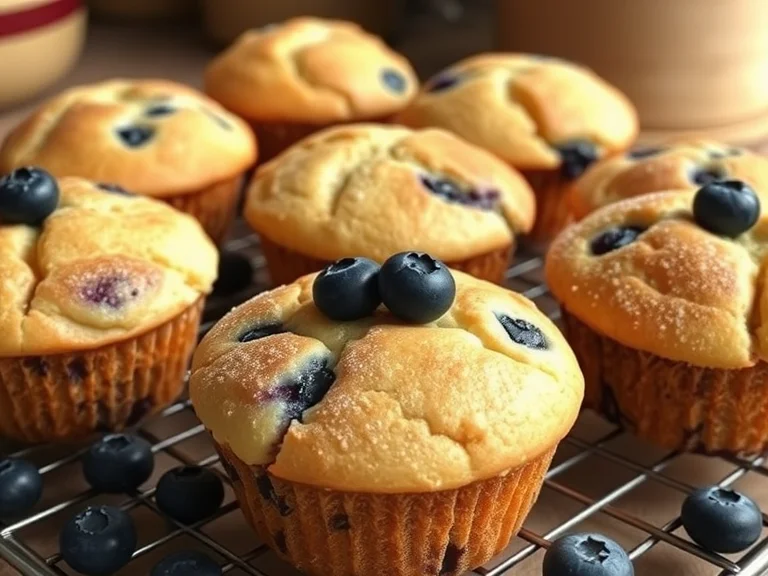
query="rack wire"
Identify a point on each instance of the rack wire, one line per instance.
(570, 501)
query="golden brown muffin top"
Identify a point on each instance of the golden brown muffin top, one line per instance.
(410, 408)
(375, 190)
(103, 267)
(675, 166)
(523, 108)
(313, 71)
(153, 137)
(673, 289)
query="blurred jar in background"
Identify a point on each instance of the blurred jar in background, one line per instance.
(40, 41)
(690, 66)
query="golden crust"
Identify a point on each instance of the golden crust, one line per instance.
(309, 70)
(677, 291)
(672, 167)
(412, 408)
(518, 106)
(195, 146)
(102, 268)
(356, 190)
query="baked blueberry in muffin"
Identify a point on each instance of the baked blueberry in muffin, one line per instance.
(385, 425)
(664, 304)
(374, 190)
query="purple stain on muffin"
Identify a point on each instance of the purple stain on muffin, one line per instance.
(302, 390)
(217, 118)
(111, 291)
(394, 81)
(135, 136)
(77, 370)
(643, 152)
(450, 191)
(36, 365)
(442, 82)
(576, 156)
(159, 110)
(113, 188)
(614, 238)
(259, 332)
(523, 332)
(706, 175)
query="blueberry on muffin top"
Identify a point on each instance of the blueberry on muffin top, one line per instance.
(309, 70)
(375, 190)
(385, 403)
(685, 165)
(84, 267)
(678, 274)
(535, 113)
(153, 137)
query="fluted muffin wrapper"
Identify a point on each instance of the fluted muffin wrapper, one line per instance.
(215, 206)
(672, 404)
(70, 396)
(287, 265)
(330, 533)
(552, 189)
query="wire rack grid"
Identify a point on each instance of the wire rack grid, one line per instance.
(28, 557)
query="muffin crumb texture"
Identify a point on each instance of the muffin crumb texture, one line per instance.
(380, 406)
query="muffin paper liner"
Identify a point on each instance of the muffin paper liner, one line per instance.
(552, 189)
(330, 533)
(215, 207)
(287, 265)
(70, 396)
(672, 404)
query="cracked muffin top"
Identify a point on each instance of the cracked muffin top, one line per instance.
(313, 71)
(85, 265)
(154, 137)
(535, 112)
(679, 274)
(380, 405)
(675, 166)
(374, 190)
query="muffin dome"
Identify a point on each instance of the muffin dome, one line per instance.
(674, 166)
(532, 111)
(380, 406)
(154, 137)
(375, 190)
(103, 267)
(313, 71)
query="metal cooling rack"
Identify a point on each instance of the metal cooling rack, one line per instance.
(33, 557)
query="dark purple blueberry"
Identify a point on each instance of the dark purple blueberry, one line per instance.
(20, 486)
(118, 463)
(644, 152)
(523, 333)
(449, 190)
(135, 136)
(186, 563)
(727, 208)
(704, 176)
(576, 156)
(189, 494)
(348, 289)
(441, 82)
(721, 520)
(394, 80)
(304, 389)
(416, 287)
(109, 291)
(586, 555)
(614, 238)
(114, 189)
(27, 196)
(235, 274)
(261, 332)
(157, 110)
(98, 541)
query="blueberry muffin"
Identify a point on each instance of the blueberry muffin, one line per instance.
(546, 117)
(395, 420)
(674, 166)
(375, 190)
(101, 298)
(153, 137)
(292, 79)
(663, 300)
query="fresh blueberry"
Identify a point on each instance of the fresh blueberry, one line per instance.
(109, 291)
(27, 196)
(261, 332)
(235, 273)
(449, 190)
(186, 563)
(113, 189)
(721, 520)
(644, 152)
(614, 238)
(135, 136)
(394, 80)
(416, 287)
(586, 555)
(20, 486)
(98, 541)
(704, 176)
(303, 390)
(522, 332)
(727, 208)
(443, 81)
(348, 289)
(189, 493)
(118, 463)
(576, 156)
(157, 110)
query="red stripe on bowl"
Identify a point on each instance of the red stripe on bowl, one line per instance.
(28, 19)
